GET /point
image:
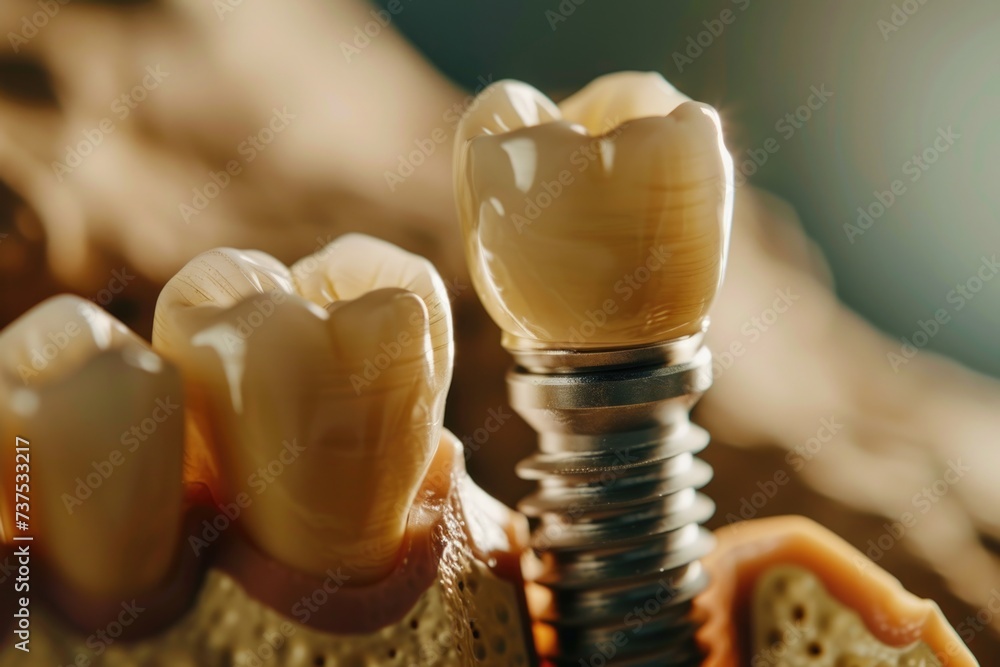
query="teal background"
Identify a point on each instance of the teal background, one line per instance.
(892, 91)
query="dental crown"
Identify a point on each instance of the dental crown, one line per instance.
(602, 222)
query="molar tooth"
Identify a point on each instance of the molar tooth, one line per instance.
(355, 264)
(614, 240)
(103, 415)
(338, 384)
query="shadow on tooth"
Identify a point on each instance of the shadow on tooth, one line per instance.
(101, 418)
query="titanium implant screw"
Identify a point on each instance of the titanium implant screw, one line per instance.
(616, 519)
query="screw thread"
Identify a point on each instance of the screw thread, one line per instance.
(616, 520)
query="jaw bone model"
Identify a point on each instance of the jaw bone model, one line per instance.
(272, 486)
(786, 592)
(313, 399)
(360, 539)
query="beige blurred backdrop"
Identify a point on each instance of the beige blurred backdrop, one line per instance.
(898, 72)
(825, 104)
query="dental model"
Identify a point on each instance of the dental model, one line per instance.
(596, 233)
(786, 592)
(295, 553)
(269, 484)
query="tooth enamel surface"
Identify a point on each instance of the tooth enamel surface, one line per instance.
(601, 223)
(621, 97)
(102, 413)
(356, 264)
(319, 392)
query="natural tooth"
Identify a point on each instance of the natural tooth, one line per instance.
(324, 407)
(220, 278)
(597, 241)
(355, 264)
(103, 415)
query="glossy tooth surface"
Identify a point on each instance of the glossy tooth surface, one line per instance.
(603, 222)
(103, 415)
(319, 392)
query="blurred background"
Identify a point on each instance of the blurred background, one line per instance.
(874, 120)
(892, 88)
(899, 75)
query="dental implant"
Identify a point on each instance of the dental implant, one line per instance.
(596, 233)
(617, 515)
